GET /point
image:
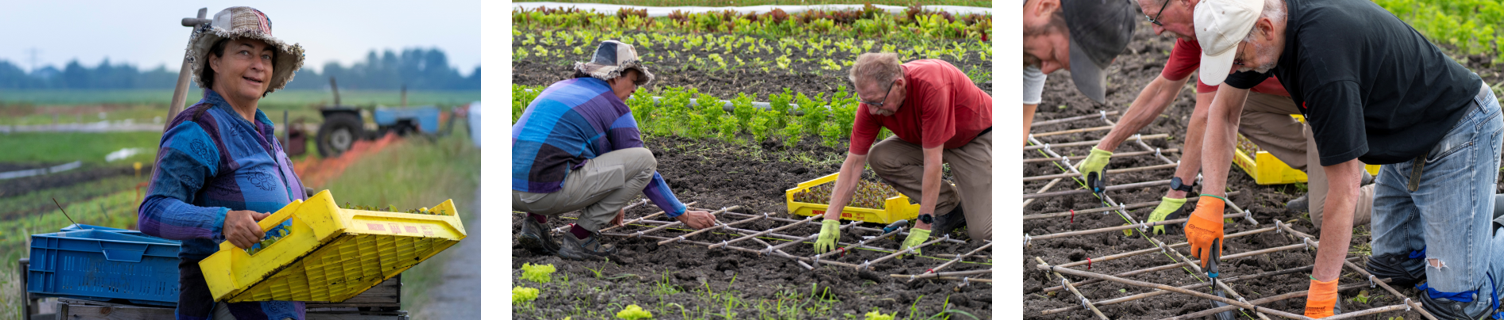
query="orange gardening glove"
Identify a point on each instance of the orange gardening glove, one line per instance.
(1321, 299)
(1205, 225)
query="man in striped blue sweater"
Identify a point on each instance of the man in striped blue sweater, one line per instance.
(577, 147)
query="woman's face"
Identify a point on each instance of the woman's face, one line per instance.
(244, 71)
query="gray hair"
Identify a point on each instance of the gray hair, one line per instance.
(879, 66)
(1274, 10)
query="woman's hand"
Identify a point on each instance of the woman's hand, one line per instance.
(240, 227)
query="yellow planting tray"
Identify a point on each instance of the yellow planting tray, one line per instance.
(1268, 170)
(330, 254)
(896, 208)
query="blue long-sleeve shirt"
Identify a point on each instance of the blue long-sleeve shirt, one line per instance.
(569, 123)
(212, 161)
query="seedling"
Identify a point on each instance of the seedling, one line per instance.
(524, 295)
(538, 273)
(634, 312)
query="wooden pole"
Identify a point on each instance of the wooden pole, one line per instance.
(1139, 205)
(1145, 184)
(1089, 143)
(1067, 284)
(1075, 118)
(185, 72)
(1055, 133)
(1197, 294)
(1120, 154)
(1113, 171)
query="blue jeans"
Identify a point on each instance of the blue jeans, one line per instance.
(1450, 215)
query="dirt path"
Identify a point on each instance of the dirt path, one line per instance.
(458, 294)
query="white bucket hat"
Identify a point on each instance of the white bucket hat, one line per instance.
(243, 23)
(1220, 26)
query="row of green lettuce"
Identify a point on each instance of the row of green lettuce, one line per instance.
(916, 22)
(1472, 26)
(691, 114)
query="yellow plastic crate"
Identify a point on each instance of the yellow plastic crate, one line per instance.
(1266, 169)
(896, 208)
(330, 254)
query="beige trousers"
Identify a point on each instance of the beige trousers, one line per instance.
(901, 164)
(599, 189)
(1267, 123)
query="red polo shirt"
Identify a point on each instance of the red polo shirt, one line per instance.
(943, 108)
(1186, 57)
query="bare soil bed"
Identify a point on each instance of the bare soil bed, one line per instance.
(1141, 63)
(717, 175)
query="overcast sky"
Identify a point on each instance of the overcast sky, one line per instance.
(149, 33)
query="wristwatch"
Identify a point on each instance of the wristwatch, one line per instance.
(1176, 184)
(927, 218)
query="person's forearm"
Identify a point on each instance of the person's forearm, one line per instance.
(929, 186)
(1195, 134)
(840, 196)
(1337, 222)
(1028, 120)
(1221, 133)
(1151, 102)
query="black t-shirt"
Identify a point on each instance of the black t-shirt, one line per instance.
(1371, 87)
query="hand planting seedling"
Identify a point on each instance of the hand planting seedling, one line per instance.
(868, 194)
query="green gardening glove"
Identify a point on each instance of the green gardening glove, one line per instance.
(1094, 169)
(916, 237)
(830, 230)
(1169, 208)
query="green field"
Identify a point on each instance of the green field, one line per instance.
(59, 147)
(724, 3)
(276, 100)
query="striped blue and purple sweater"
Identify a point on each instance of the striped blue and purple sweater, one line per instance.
(569, 123)
(210, 162)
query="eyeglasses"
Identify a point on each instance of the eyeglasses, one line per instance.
(1155, 19)
(879, 102)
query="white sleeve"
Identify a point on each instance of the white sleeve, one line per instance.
(1033, 84)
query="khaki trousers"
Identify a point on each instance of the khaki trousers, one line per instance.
(599, 189)
(901, 164)
(1267, 123)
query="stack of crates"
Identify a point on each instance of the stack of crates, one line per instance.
(104, 264)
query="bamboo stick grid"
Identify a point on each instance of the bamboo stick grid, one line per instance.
(772, 242)
(1072, 280)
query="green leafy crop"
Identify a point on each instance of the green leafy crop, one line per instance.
(523, 294)
(634, 312)
(538, 273)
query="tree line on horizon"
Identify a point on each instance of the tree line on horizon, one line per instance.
(418, 69)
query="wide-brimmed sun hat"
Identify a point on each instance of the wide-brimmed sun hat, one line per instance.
(610, 59)
(243, 23)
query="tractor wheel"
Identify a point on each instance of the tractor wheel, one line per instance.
(338, 133)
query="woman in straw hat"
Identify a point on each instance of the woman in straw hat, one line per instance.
(219, 166)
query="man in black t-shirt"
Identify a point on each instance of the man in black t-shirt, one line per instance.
(1374, 91)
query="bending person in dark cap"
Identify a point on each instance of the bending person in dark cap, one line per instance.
(1091, 32)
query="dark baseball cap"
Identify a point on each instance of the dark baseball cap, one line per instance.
(1099, 29)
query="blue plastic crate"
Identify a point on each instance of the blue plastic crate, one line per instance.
(104, 264)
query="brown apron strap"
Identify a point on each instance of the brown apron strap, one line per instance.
(1420, 163)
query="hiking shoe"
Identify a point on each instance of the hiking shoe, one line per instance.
(1401, 269)
(949, 222)
(1299, 205)
(535, 237)
(1444, 308)
(589, 248)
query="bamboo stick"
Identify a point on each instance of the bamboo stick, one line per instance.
(1192, 286)
(868, 263)
(957, 259)
(760, 233)
(1124, 227)
(1176, 265)
(1113, 171)
(1260, 301)
(676, 223)
(1156, 249)
(717, 226)
(1064, 120)
(1308, 240)
(1067, 284)
(1055, 133)
(927, 275)
(1219, 284)
(1115, 155)
(1139, 205)
(1090, 143)
(1237, 303)
(1145, 184)
(1046, 188)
